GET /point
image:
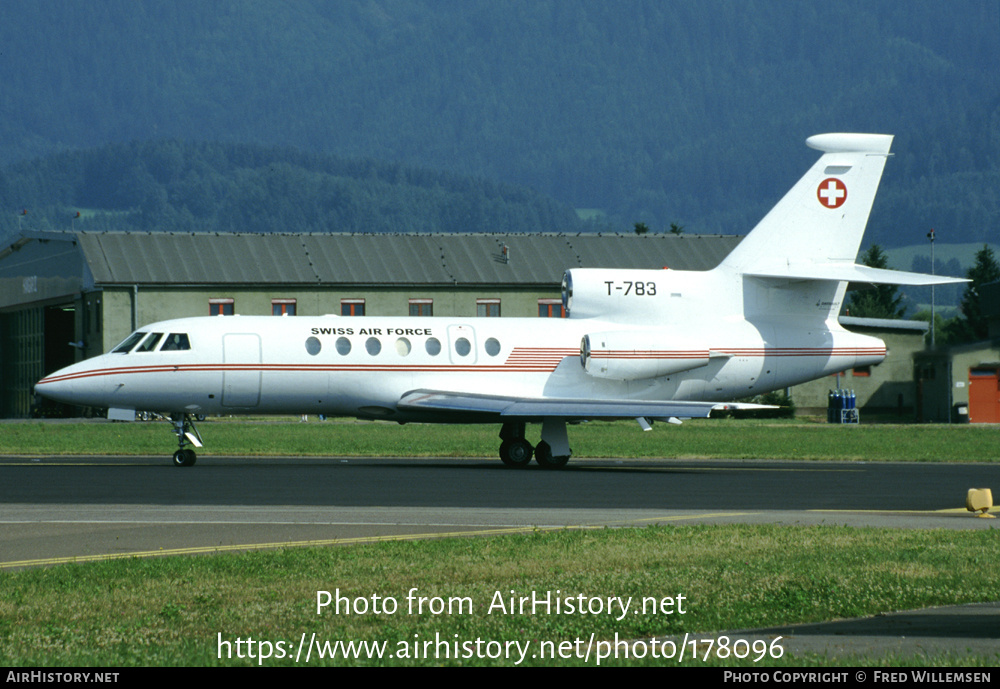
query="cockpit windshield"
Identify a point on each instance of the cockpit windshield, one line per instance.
(128, 343)
(149, 344)
(176, 342)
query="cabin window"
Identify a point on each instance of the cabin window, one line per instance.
(462, 347)
(176, 342)
(488, 308)
(128, 343)
(373, 345)
(433, 346)
(221, 307)
(492, 346)
(282, 307)
(352, 307)
(403, 346)
(313, 345)
(421, 307)
(343, 346)
(149, 344)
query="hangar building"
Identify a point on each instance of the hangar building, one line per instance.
(962, 383)
(67, 296)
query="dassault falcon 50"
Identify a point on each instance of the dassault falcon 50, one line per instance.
(636, 344)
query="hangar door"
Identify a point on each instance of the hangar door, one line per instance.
(984, 395)
(33, 343)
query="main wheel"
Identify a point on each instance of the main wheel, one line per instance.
(543, 455)
(516, 452)
(185, 458)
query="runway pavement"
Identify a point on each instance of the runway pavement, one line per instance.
(61, 509)
(56, 509)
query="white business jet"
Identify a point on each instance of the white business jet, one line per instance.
(637, 344)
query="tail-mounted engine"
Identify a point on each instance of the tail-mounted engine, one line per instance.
(635, 355)
(635, 296)
(611, 293)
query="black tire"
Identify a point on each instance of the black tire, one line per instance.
(185, 458)
(545, 459)
(516, 452)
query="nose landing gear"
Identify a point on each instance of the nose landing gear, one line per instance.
(187, 434)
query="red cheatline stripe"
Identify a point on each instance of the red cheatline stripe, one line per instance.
(259, 368)
(514, 364)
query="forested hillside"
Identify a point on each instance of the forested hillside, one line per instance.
(168, 185)
(651, 111)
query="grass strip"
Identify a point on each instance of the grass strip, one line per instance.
(722, 438)
(172, 611)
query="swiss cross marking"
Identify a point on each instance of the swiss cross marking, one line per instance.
(831, 193)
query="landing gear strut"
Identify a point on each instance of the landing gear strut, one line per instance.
(551, 453)
(187, 434)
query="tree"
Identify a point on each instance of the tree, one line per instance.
(641, 228)
(881, 301)
(973, 326)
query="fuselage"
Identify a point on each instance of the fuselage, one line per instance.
(342, 366)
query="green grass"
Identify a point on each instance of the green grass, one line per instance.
(171, 611)
(713, 438)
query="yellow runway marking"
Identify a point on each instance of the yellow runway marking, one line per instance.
(197, 550)
(201, 550)
(949, 510)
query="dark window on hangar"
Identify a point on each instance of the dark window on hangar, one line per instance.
(551, 308)
(352, 307)
(421, 307)
(221, 307)
(488, 308)
(283, 307)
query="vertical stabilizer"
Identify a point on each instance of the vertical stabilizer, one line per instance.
(823, 218)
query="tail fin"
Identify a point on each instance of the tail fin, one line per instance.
(815, 231)
(823, 218)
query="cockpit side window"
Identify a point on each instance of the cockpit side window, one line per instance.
(176, 342)
(149, 344)
(128, 343)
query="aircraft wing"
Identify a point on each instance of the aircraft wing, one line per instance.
(535, 408)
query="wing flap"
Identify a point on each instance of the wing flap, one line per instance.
(536, 408)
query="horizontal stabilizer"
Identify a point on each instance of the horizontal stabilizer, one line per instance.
(846, 272)
(539, 408)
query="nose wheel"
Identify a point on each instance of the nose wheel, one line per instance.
(185, 458)
(187, 434)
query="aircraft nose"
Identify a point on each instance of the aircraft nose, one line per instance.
(56, 387)
(77, 385)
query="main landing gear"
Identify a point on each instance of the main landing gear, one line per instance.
(187, 434)
(551, 453)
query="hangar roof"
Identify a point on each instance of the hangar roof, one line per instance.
(380, 259)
